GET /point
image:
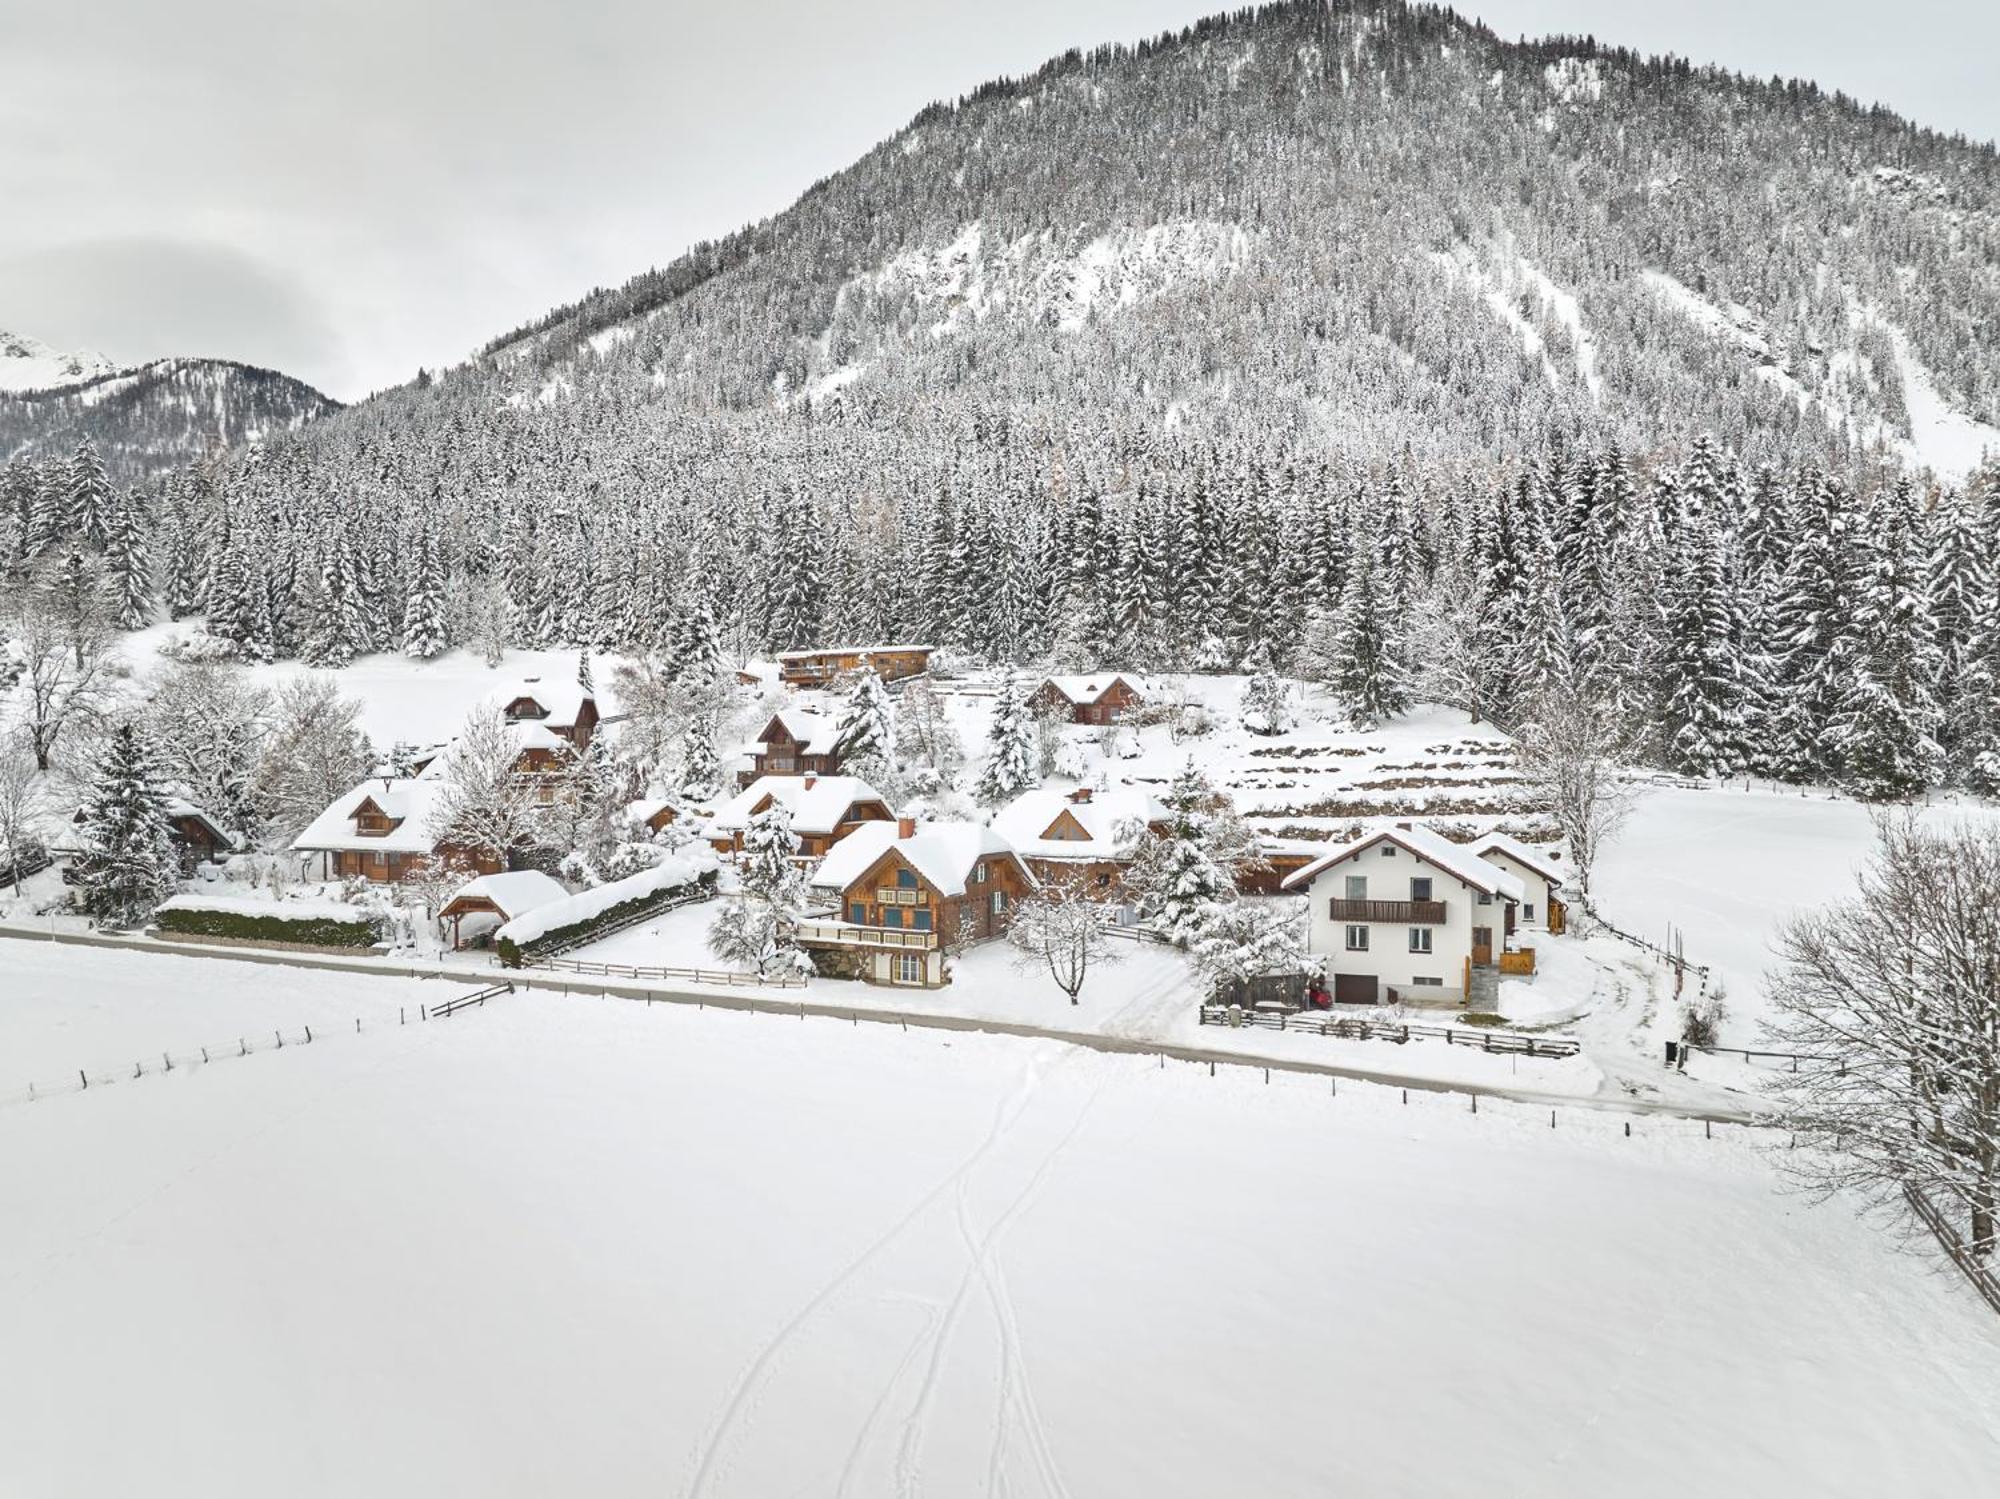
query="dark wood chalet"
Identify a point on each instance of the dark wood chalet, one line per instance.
(794, 743)
(381, 831)
(1104, 698)
(816, 668)
(905, 893)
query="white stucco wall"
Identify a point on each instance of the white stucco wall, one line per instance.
(1536, 888)
(1389, 957)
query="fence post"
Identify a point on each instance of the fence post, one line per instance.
(1628, 1129)
(309, 1035)
(168, 1061)
(281, 1039)
(84, 1075)
(1552, 1118)
(1406, 1096)
(1475, 1103)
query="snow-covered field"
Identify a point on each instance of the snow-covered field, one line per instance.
(1727, 868)
(562, 1246)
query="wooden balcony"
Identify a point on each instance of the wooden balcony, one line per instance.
(847, 934)
(1408, 912)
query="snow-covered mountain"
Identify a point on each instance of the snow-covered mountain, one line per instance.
(29, 364)
(146, 419)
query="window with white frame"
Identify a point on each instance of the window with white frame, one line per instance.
(1357, 939)
(1420, 939)
(909, 968)
(1527, 913)
(1421, 981)
(1357, 887)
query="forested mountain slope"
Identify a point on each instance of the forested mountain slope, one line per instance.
(152, 417)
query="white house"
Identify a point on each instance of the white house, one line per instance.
(1539, 874)
(1405, 913)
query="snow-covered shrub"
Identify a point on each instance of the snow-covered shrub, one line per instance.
(1702, 1017)
(305, 923)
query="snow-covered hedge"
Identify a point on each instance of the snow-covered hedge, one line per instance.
(569, 923)
(307, 923)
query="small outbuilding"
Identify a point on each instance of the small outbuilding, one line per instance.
(484, 905)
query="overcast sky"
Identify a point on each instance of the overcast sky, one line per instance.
(348, 189)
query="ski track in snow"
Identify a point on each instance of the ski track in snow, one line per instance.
(1017, 1415)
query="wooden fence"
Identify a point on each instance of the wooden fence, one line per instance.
(639, 974)
(468, 1001)
(1980, 1272)
(1361, 1028)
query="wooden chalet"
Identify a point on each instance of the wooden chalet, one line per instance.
(381, 830)
(794, 743)
(824, 809)
(567, 710)
(1104, 698)
(1084, 839)
(1282, 858)
(196, 837)
(816, 668)
(652, 815)
(904, 892)
(483, 905)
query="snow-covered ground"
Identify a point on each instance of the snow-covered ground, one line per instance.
(67, 1009)
(1726, 868)
(562, 1247)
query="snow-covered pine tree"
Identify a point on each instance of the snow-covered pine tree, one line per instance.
(759, 925)
(1012, 758)
(1267, 697)
(128, 561)
(88, 500)
(426, 627)
(1176, 876)
(1886, 728)
(700, 765)
(1368, 673)
(1704, 717)
(128, 865)
(867, 729)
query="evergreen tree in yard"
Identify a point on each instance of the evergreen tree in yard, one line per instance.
(425, 632)
(759, 926)
(868, 726)
(47, 510)
(1013, 759)
(1267, 697)
(1702, 663)
(89, 498)
(128, 562)
(1177, 876)
(128, 865)
(334, 630)
(1367, 673)
(584, 678)
(1886, 729)
(701, 766)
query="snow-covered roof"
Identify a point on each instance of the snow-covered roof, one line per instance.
(1455, 859)
(562, 699)
(410, 801)
(1088, 689)
(647, 808)
(180, 806)
(818, 804)
(515, 892)
(1110, 820)
(944, 853)
(849, 650)
(1521, 853)
(816, 731)
(677, 869)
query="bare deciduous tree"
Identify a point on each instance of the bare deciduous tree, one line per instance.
(315, 750)
(23, 790)
(67, 681)
(486, 806)
(1064, 931)
(1568, 749)
(1900, 988)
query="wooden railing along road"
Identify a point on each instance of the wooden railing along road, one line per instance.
(1361, 1028)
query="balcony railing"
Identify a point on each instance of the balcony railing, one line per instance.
(895, 895)
(846, 934)
(1409, 912)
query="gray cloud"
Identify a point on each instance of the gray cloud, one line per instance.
(350, 188)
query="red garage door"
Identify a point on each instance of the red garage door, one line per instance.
(1355, 988)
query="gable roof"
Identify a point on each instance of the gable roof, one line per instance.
(1112, 820)
(1088, 689)
(818, 808)
(563, 699)
(1521, 853)
(514, 892)
(944, 853)
(819, 734)
(1455, 859)
(411, 801)
(181, 807)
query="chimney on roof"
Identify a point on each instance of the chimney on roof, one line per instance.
(906, 827)
(1403, 826)
(810, 779)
